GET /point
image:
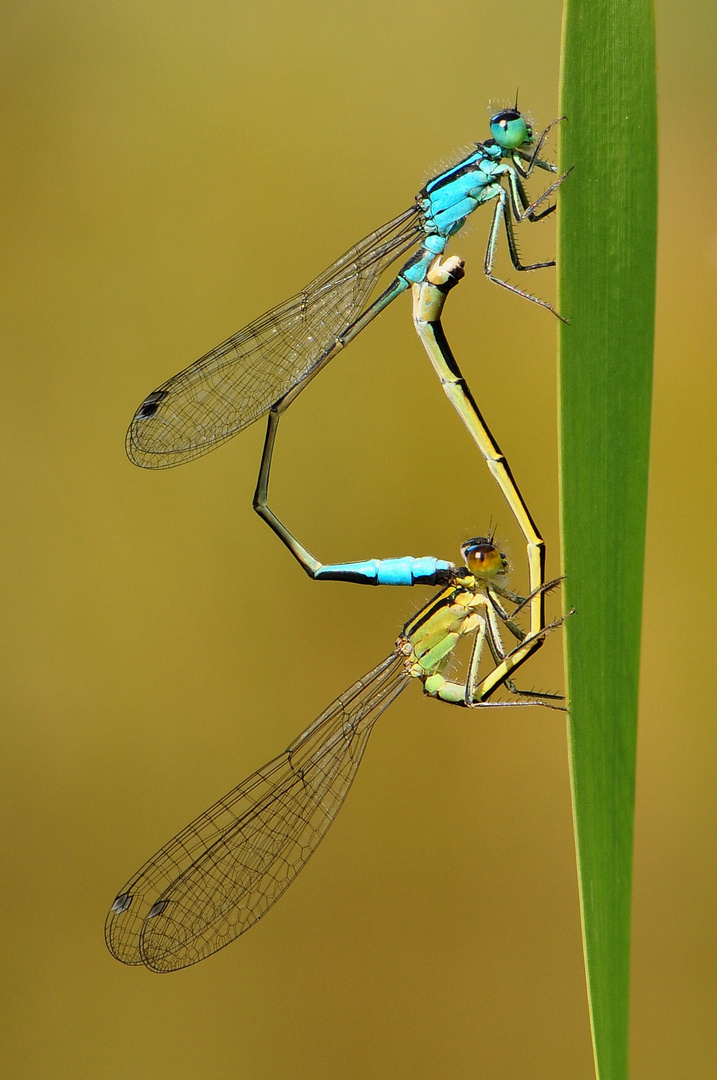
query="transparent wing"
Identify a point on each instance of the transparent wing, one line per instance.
(219, 875)
(236, 383)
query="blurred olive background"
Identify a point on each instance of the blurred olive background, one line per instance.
(171, 171)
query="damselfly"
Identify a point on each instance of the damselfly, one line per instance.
(269, 362)
(223, 872)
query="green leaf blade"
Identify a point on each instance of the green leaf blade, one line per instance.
(607, 258)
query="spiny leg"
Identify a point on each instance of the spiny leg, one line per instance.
(525, 210)
(489, 633)
(495, 612)
(471, 685)
(498, 215)
(520, 203)
(513, 247)
(534, 160)
(523, 601)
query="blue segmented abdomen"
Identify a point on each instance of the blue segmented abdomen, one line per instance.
(404, 571)
(414, 271)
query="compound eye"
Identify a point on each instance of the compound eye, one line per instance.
(483, 558)
(510, 129)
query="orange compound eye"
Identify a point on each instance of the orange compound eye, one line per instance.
(483, 558)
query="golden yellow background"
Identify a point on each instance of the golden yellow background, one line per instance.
(170, 171)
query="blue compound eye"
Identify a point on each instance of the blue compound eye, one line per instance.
(510, 129)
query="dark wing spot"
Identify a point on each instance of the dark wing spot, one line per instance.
(122, 902)
(157, 908)
(150, 404)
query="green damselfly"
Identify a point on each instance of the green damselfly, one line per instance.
(223, 872)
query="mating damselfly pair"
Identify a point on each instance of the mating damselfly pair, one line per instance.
(220, 874)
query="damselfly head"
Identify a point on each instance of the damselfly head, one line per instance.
(484, 559)
(510, 129)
